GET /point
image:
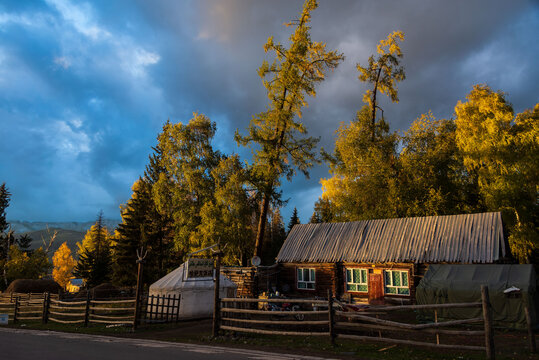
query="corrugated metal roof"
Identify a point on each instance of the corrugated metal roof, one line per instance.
(467, 238)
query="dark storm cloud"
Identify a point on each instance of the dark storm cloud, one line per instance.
(85, 87)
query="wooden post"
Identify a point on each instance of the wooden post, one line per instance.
(168, 308)
(178, 309)
(331, 318)
(173, 315)
(151, 306)
(87, 309)
(16, 310)
(436, 320)
(140, 261)
(487, 317)
(159, 314)
(46, 303)
(531, 335)
(216, 300)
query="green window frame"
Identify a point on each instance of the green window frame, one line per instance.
(306, 278)
(357, 280)
(396, 282)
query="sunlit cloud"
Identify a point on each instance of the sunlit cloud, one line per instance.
(135, 60)
(66, 138)
(81, 17)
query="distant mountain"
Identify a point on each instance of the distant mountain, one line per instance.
(71, 237)
(70, 232)
(28, 226)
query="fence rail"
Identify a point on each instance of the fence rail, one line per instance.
(248, 316)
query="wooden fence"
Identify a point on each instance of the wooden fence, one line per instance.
(160, 309)
(325, 318)
(10, 297)
(153, 309)
(236, 312)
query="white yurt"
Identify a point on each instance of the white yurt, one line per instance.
(196, 293)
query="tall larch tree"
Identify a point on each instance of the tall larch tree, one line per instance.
(275, 135)
(364, 177)
(364, 163)
(63, 265)
(383, 73)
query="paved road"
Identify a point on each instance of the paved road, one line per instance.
(17, 344)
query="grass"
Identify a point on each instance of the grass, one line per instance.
(509, 345)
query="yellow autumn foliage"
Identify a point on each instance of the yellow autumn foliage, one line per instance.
(64, 264)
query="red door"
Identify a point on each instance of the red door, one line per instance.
(376, 289)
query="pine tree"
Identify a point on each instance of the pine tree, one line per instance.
(95, 261)
(141, 227)
(294, 219)
(25, 242)
(278, 235)
(5, 196)
(323, 212)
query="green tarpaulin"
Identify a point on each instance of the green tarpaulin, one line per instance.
(462, 283)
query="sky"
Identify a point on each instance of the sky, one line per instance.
(85, 87)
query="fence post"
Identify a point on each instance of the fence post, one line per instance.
(140, 261)
(46, 303)
(87, 309)
(173, 315)
(151, 307)
(178, 309)
(531, 335)
(162, 302)
(168, 308)
(436, 320)
(16, 310)
(331, 318)
(487, 317)
(216, 300)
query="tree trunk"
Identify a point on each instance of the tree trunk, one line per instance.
(279, 138)
(373, 119)
(262, 224)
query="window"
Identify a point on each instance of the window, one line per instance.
(306, 279)
(356, 280)
(396, 282)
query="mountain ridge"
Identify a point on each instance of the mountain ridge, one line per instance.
(20, 227)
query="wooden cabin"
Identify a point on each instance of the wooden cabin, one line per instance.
(383, 260)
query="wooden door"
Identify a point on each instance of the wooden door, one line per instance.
(376, 289)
